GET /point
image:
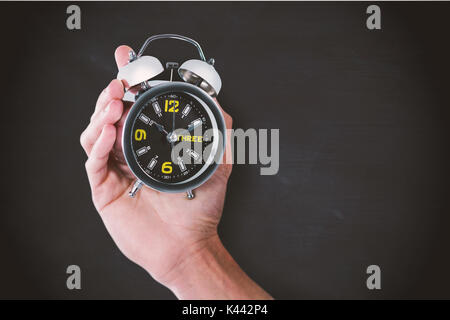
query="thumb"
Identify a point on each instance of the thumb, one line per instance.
(122, 55)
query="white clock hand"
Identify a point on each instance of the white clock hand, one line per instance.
(160, 127)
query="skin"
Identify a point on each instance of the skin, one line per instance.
(173, 238)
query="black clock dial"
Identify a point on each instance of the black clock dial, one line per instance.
(153, 137)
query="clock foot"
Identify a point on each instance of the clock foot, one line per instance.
(136, 187)
(190, 195)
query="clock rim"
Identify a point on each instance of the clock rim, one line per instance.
(161, 89)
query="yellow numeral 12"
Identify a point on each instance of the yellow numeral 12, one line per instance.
(171, 106)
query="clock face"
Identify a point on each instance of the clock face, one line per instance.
(172, 137)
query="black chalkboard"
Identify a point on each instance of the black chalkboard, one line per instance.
(363, 144)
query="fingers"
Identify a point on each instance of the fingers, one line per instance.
(119, 125)
(108, 116)
(96, 165)
(226, 116)
(228, 155)
(114, 91)
(227, 159)
(122, 55)
(228, 120)
(109, 106)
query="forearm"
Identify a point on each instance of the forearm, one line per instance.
(211, 273)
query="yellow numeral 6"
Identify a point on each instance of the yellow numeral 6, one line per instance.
(166, 167)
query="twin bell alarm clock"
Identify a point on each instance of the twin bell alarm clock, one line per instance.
(174, 132)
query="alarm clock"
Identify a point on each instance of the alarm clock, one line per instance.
(169, 115)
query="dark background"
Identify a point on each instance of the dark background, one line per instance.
(363, 144)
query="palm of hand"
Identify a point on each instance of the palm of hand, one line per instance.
(157, 230)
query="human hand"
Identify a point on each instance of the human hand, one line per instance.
(155, 230)
(173, 238)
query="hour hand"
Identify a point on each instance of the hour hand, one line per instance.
(150, 122)
(160, 127)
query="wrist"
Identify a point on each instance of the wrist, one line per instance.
(209, 272)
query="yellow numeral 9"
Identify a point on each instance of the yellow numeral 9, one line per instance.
(140, 134)
(171, 106)
(166, 167)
